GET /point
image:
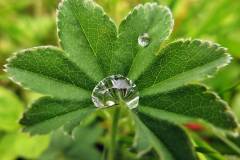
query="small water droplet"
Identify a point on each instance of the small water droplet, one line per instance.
(144, 40)
(110, 103)
(113, 89)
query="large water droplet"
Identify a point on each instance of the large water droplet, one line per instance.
(144, 40)
(113, 90)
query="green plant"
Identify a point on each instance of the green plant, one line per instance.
(166, 75)
(14, 143)
(63, 146)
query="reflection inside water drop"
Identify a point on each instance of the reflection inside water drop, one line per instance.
(144, 40)
(113, 89)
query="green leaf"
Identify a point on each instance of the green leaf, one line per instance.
(204, 148)
(14, 144)
(17, 144)
(81, 147)
(141, 144)
(150, 18)
(48, 71)
(225, 144)
(180, 63)
(169, 140)
(47, 114)
(87, 34)
(10, 110)
(189, 103)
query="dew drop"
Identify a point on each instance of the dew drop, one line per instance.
(115, 89)
(144, 40)
(110, 103)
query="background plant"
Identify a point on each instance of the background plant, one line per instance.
(229, 25)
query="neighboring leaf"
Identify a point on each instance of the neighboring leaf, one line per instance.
(87, 34)
(225, 144)
(180, 63)
(204, 148)
(141, 144)
(150, 18)
(15, 145)
(189, 103)
(169, 140)
(48, 71)
(79, 148)
(10, 110)
(86, 146)
(30, 147)
(47, 114)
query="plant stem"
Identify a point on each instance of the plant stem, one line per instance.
(114, 129)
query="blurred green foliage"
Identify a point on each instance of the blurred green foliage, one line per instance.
(14, 143)
(28, 23)
(77, 148)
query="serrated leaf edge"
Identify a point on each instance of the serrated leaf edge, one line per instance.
(29, 106)
(141, 6)
(215, 97)
(104, 14)
(146, 91)
(20, 53)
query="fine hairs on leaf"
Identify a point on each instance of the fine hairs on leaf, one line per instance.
(166, 78)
